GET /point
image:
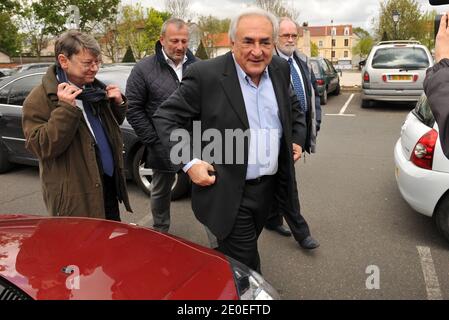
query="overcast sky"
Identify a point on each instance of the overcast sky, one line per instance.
(316, 12)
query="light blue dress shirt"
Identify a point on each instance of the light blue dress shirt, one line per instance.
(264, 122)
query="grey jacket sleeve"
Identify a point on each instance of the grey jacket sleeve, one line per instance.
(436, 87)
(138, 96)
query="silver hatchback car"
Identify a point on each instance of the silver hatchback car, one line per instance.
(395, 71)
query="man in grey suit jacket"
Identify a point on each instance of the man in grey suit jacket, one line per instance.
(245, 93)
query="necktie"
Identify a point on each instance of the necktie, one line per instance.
(102, 140)
(297, 85)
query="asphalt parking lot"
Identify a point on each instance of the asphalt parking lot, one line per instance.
(373, 245)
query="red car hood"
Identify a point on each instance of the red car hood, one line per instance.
(108, 260)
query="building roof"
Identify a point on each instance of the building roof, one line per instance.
(218, 40)
(321, 31)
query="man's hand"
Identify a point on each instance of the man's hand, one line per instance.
(199, 174)
(68, 93)
(297, 152)
(114, 93)
(442, 40)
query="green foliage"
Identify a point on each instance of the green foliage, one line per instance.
(314, 49)
(212, 25)
(201, 52)
(131, 30)
(129, 57)
(360, 32)
(153, 26)
(410, 23)
(10, 40)
(363, 47)
(8, 6)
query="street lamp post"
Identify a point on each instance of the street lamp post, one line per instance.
(396, 15)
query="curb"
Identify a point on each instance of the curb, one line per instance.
(351, 88)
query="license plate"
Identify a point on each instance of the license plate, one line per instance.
(400, 77)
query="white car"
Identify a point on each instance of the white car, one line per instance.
(422, 170)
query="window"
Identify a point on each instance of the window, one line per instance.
(334, 31)
(394, 58)
(346, 32)
(346, 54)
(4, 94)
(22, 87)
(333, 54)
(423, 112)
(334, 42)
(346, 42)
(320, 43)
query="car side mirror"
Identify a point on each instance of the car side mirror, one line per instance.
(362, 63)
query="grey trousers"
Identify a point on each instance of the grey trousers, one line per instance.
(161, 185)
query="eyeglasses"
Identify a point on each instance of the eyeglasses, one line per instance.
(89, 65)
(288, 36)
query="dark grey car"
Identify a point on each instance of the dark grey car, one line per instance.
(13, 92)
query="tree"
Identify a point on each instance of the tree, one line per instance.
(8, 6)
(201, 52)
(363, 47)
(178, 8)
(131, 30)
(10, 39)
(108, 38)
(129, 57)
(212, 25)
(46, 18)
(277, 8)
(314, 51)
(153, 26)
(410, 23)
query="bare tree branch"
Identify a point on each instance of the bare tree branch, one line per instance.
(178, 8)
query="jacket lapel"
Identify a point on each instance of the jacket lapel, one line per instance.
(231, 86)
(275, 75)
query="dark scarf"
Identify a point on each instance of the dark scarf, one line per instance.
(90, 96)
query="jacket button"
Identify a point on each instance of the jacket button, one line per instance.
(97, 185)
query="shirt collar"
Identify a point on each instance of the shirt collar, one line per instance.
(282, 55)
(170, 60)
(243, 76)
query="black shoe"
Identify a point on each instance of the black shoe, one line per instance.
(282, 230)
(309, 243)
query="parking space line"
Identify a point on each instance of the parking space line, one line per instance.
(343, 110)
(430, 276)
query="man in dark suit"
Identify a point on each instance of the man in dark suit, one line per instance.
(243, 94)
(304, 85)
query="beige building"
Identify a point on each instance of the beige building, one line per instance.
(334, 43)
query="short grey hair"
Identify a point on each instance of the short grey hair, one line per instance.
(290, 20)
(253, 12)
(73, 41)
(179, 23)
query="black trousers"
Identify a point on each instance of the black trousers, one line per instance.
(241, 244)
(111, 206)
(296, 222)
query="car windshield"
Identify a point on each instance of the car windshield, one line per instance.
(423, 111)
(400, 58)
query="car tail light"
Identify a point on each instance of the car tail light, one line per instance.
(415, 78)
(366, 77)
(320, 82)
(384, 78)
(422, 155)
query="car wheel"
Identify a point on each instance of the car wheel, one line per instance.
(181, 186)
(323, 97)
(5, 165)
(142, 176)
(441, 217)
(337, 89)
(365, 103)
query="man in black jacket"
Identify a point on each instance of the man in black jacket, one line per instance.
(246, 90)
(150, 83)
(304, 84)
